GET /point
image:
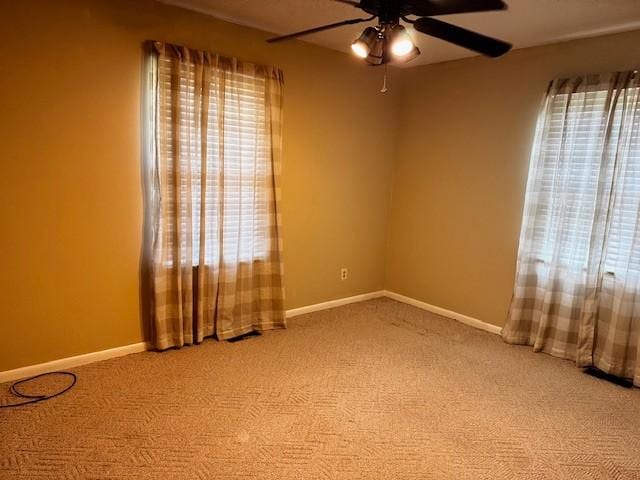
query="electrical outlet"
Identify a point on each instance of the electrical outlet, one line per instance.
(343, 273)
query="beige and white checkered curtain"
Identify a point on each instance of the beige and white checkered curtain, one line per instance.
(216, 230)
(577, 289)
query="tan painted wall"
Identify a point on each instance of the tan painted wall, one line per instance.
(70, 173)
(460, 170)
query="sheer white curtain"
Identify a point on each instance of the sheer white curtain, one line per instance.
(577, 291)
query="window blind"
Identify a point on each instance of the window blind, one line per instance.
(229, 169)
(578, 132)
(620, 252)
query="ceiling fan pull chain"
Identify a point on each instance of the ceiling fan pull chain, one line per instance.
(384, 81)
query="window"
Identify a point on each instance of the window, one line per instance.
(213, 140)
(578, 272)
(221, 152)
(586, 175)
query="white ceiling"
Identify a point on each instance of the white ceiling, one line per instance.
(526, 23)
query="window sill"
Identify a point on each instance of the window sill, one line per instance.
(212, 266)
(610, 274)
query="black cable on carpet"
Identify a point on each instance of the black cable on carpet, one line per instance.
(38, 398)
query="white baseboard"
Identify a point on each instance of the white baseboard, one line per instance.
(78, 360)
(71, 362)
(333, 303)
(472, 322)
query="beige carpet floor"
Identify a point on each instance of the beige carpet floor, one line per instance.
(376, 390)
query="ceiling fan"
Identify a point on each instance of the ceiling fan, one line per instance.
(389, 42)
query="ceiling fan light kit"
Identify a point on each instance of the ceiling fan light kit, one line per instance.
(365, 43)
(377, 54)
(390, 42)
(401, 43)
(385, 43)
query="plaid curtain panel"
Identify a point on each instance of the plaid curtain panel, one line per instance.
(217, 265)
(577, 288)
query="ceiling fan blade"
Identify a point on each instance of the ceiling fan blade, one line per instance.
(354, 3)
(318, 29)
(462, 37)
(430, 8)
